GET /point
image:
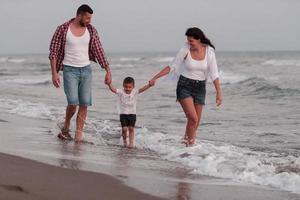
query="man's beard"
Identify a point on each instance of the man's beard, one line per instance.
(82, 24)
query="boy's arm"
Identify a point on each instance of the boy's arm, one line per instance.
(146, 87)
(112, 88)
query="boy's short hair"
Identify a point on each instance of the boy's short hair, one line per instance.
(128, 80)
(83, 9)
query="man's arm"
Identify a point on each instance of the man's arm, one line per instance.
(55, 75)
(55, 46)
(108, 77)
(112, 88)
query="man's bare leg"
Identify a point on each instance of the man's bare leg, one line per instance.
(70, 111)
(64, 134)
(81, 117)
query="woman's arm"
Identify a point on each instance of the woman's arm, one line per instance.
(219, 92)
(163, 72)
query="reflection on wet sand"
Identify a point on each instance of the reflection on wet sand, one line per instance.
(75, 150)
(183, 191)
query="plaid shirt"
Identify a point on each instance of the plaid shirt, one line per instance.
(58, 43)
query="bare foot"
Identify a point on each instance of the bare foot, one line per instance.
(131, 145)
(188, 143)
(191, 142)
(78, 136)
(64, 134)
(124, 143)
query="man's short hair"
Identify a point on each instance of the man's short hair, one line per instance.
(83, 9)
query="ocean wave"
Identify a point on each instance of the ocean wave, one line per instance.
(261, 87)
(163, 59)
(231, 78)
(3, 59)
(113, 66)
(227, 161)
(29, 81)
(127, 59)
(16, 60)
(30, 109)
(275, 62)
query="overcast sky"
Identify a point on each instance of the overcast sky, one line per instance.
(155, 25)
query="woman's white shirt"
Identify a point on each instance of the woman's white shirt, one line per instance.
(184, 64)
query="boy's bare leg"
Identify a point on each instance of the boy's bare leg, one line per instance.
(131, 137)
(124, 135)
(81, 117)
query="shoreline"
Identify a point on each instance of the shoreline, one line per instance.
(114, 171)
(22, 178)
(26, 179)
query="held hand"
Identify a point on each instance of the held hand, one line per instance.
(218, 99)
(56, 80)
(152, 82)
(108, 78)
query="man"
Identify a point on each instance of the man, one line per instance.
(73, 45)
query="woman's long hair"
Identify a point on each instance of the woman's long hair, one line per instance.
(198, 34)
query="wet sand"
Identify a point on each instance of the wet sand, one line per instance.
(25, 179)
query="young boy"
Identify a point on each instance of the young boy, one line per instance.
(127, 98)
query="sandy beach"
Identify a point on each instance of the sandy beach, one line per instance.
(25, 179)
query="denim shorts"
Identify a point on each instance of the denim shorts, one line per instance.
(191, 88)
(78, 85)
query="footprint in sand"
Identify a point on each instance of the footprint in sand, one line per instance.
(16, 188)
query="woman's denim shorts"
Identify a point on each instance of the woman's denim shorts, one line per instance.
(191, 88)
(78, 85)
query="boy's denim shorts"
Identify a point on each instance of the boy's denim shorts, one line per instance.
(78, 85)
(191, 88)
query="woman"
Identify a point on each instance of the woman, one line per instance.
(193, 63)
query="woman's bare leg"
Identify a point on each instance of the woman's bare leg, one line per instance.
(188, 107)
(198, 108)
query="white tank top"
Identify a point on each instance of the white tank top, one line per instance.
(77, 49)
(195, 69)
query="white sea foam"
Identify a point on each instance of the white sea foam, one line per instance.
(3, 59)
(275, 62)
(29, 80)
(164, 59)
(29, 109)
(226, 161)
(231, 78)
(16, 60)
(126, 59)
(122, 65)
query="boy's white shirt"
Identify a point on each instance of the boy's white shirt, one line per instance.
(127, 102)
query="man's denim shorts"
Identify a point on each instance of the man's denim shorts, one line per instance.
(78, 85)
(191, 88)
